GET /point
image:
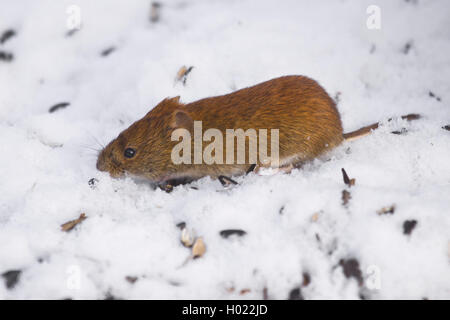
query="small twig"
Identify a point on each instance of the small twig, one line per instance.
(387, 210)
(226, 233)
(58, 106)
(226, 181)
(251, 168)
(73, 223)
(8, 34)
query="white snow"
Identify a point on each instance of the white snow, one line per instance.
(47, 158)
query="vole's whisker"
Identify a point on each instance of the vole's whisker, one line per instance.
(102, 146)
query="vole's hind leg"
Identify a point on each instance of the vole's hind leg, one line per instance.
(287, 164)
(282, 169)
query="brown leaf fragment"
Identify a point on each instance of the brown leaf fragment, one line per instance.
(315, 217)
(346, 196)
(199, 248)
(72, 224)
(155, 11)
(347, 180)
(265, 293)
(306, 279)
(244, 291)
(183, 73)
(230, 289)
(410, 117)
(387, 210)
(187, 237)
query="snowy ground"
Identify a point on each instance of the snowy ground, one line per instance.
(298, 230)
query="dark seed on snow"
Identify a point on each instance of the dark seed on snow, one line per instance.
(226, 233)
(317, 237)
(58, 106)
(408, 226)
(402, 131)
(407, 47)
(11, 278)
(92, 182)
(107, 51)
(110, 296)
(351, 269)
(181, 225)
(296, 294)
(337, 97)
(71, 32)
(131, 279)
(6, 56)
(432, 95)
(362, 296)
(8, 34)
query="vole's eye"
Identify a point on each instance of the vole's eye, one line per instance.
(129, 153)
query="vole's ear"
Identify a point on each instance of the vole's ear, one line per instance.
(180, 119)
(164, 105)
(174, 99)
(171, 101)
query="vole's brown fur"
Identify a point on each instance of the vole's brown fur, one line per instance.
(308, 121)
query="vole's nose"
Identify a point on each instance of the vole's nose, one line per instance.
(101, 162)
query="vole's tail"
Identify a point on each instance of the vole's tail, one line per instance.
(368, 129)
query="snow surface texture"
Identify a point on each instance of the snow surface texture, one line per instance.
(297, 227)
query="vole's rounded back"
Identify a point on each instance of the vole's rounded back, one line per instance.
(306, 117)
